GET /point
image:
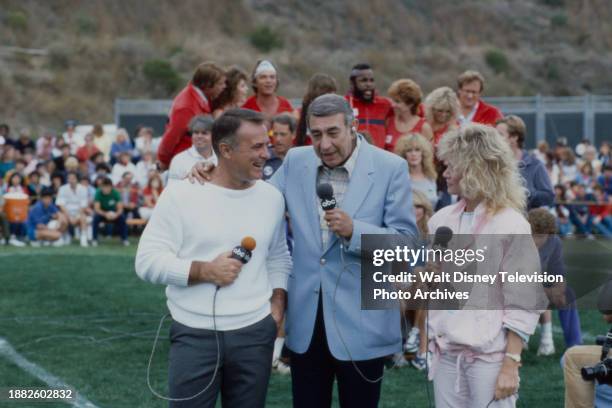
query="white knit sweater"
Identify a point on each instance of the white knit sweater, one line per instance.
(193, 222)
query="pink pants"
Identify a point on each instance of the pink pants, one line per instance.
(476, 384)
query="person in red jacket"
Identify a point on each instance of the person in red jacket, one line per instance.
(195, 99)
(372, 110)
(264, 81)
(470, 86)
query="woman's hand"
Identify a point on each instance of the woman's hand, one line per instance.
(507, 380)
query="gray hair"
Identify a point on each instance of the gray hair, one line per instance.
(287, 120)
(328, 105)
(200, 122)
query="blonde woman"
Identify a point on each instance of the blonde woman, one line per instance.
(441, 112)
(418, 152)
(477, 352)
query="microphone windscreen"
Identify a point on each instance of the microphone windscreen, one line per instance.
(248, 243)
(325, 191)
(443, 236)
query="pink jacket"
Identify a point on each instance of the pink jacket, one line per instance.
(481, 333)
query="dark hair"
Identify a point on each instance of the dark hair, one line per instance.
(102, 166)
(607, 167)
(203, 122)
(225, 127)
(319, 84)
(47, 192)
(68, 174)
(106, 182)
(233, 76)
(359, 67)
(206, 75)
(285, 119)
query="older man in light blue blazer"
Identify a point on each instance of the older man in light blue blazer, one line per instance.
(329, 335)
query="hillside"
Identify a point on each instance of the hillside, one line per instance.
(70, 59)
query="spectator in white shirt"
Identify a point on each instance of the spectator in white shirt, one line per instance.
(145, 142)
(72, 201)
(123, 166)
(144, 168)
(200, 150)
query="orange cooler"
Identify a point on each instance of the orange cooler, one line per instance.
(16, 207)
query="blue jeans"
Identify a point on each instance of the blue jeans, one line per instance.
(604, 227)
(119, 224)
(583, 228)
(17, 229)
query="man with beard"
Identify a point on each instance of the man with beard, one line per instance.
(265, 84)
(371, 110)
(207, 83)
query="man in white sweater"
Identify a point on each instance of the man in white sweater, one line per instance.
(200, 151)
(225, 313)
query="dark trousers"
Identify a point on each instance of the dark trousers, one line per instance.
(313, 374)
(119, 223)
(244, 367)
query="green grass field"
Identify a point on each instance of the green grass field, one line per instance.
(84, 316)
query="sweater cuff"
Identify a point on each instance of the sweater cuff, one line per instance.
(178, 272)
(278, 280)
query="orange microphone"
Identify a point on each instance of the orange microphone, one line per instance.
(244, 251)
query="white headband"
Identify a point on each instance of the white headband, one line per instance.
(263, 66)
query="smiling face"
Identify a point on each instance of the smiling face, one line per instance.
(242, 91)
(400, 107)
(266, 83)
(332, 140)
(202, 139)
(249, 154)
(283, 138)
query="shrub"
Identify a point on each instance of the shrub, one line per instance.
(497, 61)
(558, 20)
(86, 25)
(265, 39)
(161, 75)
(17, 20)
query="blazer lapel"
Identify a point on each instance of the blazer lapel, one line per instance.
(359, 186)
(311, 201)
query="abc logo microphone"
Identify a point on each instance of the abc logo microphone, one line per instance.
(442, 237)
(326, 193)
(244, 251)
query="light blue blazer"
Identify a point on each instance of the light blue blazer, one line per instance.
(379, 200)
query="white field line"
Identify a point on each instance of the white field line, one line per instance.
(37, 371)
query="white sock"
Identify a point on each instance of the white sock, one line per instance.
(547, 331)
(278, 347)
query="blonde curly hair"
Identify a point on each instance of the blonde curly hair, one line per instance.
(418, 141)
(489, 169)
(442, 98)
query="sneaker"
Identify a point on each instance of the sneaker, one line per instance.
(283, 368)
(422, 361)
(126, 243)
(547, 347)
(58, 243)
(412, 343)
(35, 244)
(15, 242)
(94, 243)
(84, 241)
(399, 360)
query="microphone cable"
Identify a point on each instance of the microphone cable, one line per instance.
(158, 395)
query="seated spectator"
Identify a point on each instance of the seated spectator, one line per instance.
(151, 194)
(585, 176)
(123, 165)
(72, 201)
(24, 142)
(130, 195)
(45, 145)
(605, 180)
(102, 172)
(72, 139)
(57, 180)
(94, 161)
(541, 150)
(122, 144)
(20, 165)
(552, 168)
(60, 161)
(16, 185)
(590, 156)
(561, 211)
(71, 164)
(109, 210)
(102, 141)
(146, 142)
(88, 149)
(34, 187)
(50, 170)
(200, 151)
(569, 169)
(45, 222)
(8, 160)
(31, 161)
(58, 147)
(580, 215)
(601, 212)
(605, 153)
(144, 167)
(91, 194)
